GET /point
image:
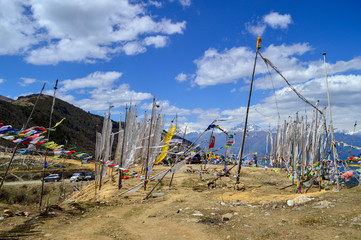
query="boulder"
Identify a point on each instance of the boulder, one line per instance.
(8, 213)
(299, 200)
(227, 217)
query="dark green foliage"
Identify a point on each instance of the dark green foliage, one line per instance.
(77, 130)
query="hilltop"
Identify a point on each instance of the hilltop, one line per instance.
(77, 130)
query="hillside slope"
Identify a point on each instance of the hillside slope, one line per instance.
(77, 130)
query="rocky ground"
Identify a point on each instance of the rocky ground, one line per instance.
(189, 209)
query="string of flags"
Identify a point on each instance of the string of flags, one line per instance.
(347, 145)
(230, 138)
(128, 173)
(35, 136)
(218, 127)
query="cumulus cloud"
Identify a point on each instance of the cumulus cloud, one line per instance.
(17, 30)
(94, 80)
(167, 108)
(257, 29)
(100, 99)
(274, 20)
(230, 65)
(223, 67)
(134, 48)
(185, 3)
(155, 3)
(182, 77)
(156, 41)
(344, 93)
(26, 81)
(101, 90)
(48, 32)
(308, 78)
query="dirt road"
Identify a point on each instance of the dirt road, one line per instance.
(31, 182)
(189, 210)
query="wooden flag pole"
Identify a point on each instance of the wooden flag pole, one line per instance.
(259, 40)
(333, 143)
(123, 145)
(46, 151)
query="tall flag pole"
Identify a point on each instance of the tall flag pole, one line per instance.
(259, 40)
(333, 143)
(46, 151)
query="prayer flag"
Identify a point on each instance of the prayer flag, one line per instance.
(165, 147)
(212, 140)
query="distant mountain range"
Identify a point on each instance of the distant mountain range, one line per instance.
(256, 140)
(78, 129)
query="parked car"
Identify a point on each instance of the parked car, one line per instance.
(196, 159)
(89, 177)
(77, 177)
(52, 178)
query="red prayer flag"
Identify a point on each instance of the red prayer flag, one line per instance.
(212, 140)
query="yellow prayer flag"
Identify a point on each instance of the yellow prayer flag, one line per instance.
(166, 140)
(58, 123)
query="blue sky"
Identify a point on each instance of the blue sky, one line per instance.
(196, 57)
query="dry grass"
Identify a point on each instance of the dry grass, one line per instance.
(260, 212)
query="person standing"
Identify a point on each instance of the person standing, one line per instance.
(255, 160)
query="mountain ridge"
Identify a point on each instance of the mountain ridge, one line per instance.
(77, 129)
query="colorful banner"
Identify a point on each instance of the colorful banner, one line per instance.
(218, 127)
(212, 140)
(166, 140)
(34, 136)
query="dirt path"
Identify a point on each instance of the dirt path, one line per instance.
(189, 210)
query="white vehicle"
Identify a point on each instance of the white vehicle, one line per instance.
(77, 177)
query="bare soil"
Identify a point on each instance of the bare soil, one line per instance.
(190, 210)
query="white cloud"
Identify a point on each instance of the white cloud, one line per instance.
(93, 80)
(345, 101)
(308, 77)
(155, 3)
(48, 32)
(134, 48)
(237, 63)
(225, 67)
(157, 41)
(257, 29)
(26, 81)
(344, 97)
(169, 109)
(100, 99)
(185, 3)
(229, 66)
(276, 20)
(166, 108)
(182, 77)
(17, 30)
(101, 91)
(2, 80)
